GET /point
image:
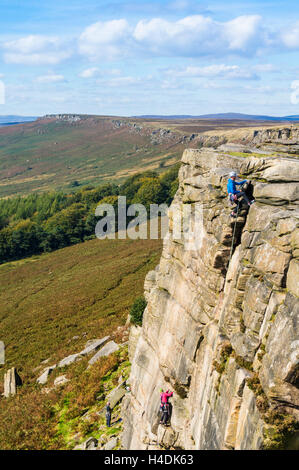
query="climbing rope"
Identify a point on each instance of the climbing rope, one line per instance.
(234, 231)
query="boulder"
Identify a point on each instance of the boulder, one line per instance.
(166, 436)
(61, 380)
(94, 345)
(108, 349)
(90, 444)
(111, 444)
(116, 395)
(69, 360)
(43, 378)
(12, 380)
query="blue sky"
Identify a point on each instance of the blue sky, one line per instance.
(149, 57)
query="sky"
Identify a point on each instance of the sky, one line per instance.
(139, 57)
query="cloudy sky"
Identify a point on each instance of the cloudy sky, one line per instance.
(131, 57)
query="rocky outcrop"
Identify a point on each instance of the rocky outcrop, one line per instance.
(12, 380)
(90, 347)
(221, 325)
(43, 378)
(61, 380)
(108, 349)
(264, 140)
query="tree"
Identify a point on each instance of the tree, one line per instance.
(137, 310)
(150, 192)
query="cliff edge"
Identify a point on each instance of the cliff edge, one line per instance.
(221, 326)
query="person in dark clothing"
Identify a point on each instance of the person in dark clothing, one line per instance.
(108, 414)
(165, 414)
(234, 194)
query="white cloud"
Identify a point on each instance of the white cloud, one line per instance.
(50, 78)
(35, 50)
(215, 70)
(260, 89)
(265, 68)
(192, 36)
(96, 72)
(121, 81)
(198, 35)
(290, 38)
(241, 33)
(104, 39)
(89, 73)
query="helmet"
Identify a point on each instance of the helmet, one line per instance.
(232, 173)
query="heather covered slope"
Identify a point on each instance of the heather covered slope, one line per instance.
(52, 306)
(53, 153)
(87, 288)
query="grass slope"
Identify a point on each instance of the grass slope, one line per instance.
(52, 153)
(84, 290)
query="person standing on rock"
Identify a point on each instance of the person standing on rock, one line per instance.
(234, 194)
(108, 414)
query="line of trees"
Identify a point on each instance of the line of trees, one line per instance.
(45, 222)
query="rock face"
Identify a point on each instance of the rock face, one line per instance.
(222, 331)
(12, 380)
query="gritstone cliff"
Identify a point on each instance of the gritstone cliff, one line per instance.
(223, 333)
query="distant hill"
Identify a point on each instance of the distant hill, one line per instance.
(57, 151)
(239, 116)
(10, 120)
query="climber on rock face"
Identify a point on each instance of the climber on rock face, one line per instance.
(165, 396)
(234, 194)
(165, 406)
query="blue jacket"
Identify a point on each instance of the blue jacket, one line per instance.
(231, 186)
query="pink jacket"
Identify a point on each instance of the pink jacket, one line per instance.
(165, 396)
